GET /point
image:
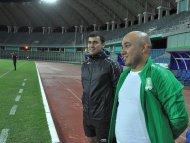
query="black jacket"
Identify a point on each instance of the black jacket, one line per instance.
(99, 80)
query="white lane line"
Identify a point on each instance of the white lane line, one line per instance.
(74, 94)
(25, 79)
(21, 90)
(51, 125)
(4, 135)
(23, 84)
(5, 73)
(13, 110)
(17, 98)
(11, 70)
(79, 81)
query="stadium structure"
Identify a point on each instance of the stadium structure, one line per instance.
(57, 32)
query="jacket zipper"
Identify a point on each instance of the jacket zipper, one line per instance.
(91, 68)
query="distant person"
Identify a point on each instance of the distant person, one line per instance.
(149, 106)
(99, 78)
(28, 57)
(14, 57)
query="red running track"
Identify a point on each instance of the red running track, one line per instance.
(63, 89)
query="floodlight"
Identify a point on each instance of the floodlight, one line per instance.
(26, 47)
(49, 1)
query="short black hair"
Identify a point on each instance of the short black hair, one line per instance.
(95, 34)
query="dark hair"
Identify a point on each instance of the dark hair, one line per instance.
(95, 34)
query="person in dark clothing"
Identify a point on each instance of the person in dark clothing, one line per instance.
(14, 57)
(99, 76)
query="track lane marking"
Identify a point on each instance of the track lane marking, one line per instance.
(13, 110)
(3, 136)
(70, 90)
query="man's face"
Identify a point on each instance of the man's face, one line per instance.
(95, 45)
(131, 51)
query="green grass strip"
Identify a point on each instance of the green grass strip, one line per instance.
(29, 124)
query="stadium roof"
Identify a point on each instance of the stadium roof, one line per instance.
(69, 13)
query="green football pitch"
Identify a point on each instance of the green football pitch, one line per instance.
(22, 114)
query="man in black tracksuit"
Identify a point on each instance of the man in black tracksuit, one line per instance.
(99, 80)
(14, 57)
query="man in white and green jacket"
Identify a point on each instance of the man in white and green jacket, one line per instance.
(149, 106)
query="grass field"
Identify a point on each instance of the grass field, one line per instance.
(28, 123)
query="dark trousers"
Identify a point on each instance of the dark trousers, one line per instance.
(14, 63)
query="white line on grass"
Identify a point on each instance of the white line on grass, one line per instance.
(17, 98)
(21, 90)
(13, 110)
(5, 74)
(4, 135)
(10, 71)
(23, 84)
(74, 94)
(53, 132)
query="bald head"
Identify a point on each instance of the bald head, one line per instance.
(141, 38)
(136, 49)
